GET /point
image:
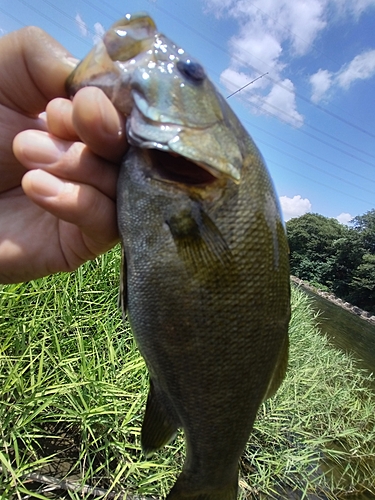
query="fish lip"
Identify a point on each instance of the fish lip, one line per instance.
(142, 143)
(209, 175)
(148, 134)
(151, 113)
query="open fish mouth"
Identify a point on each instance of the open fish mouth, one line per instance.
(172, 146)
(174, 168)
(148, 128)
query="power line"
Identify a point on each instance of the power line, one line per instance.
(331, 188)
(325, 133)
(101, 11)
(340, 167)
(13, 17)
(49, 19)
(239, 90)
(311, 135)
(109, 6)
(324, 110)
(315, 167)
(277, 109)
(70, 17)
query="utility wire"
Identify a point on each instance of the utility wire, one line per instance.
(331, 188)
(239, 90)
(49, 19)
(340, 167)
(309, 134)
(101, 11)
(12, 17)
(300, 160)
(307, 125)
(220, 48)
(109, 6)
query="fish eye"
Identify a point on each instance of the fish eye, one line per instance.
(192, 70)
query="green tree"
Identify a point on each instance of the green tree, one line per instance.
(312, 241)
(347, 257)
(342, 258)
(364, 225)
(362, 286)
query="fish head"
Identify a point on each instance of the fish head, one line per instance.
(170, 103)
(111, 62)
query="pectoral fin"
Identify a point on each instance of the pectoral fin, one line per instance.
(280, 370)
(198, 240)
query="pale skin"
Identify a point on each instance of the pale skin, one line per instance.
(58, 170)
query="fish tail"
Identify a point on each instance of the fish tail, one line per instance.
(184, 490)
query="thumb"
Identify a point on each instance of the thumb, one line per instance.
(34, 68)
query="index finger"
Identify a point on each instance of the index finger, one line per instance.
(98, 124)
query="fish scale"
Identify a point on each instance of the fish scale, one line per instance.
(205, 272)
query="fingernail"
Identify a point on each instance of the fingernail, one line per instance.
(40, 149)
(45, 184)
(72, 61)
(111, 121)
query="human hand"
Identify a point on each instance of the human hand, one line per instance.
(64, 213)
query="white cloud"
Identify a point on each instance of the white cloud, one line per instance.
(99, 32)
(256, 48)
(306, 20)
(354, 7)
(321, 82)
(234, 80)
(294, 207)
(359, 6)
(281, 102)
(218, 6)
(294, 21)
(271, 35)
(344, 218)
(361, 67)
(81, 25)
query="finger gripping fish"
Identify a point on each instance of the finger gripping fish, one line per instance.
(205, 275)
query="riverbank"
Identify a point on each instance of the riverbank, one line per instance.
(336, 300)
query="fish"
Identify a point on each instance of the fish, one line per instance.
(205, 277)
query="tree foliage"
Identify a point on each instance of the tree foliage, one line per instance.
(323, 251)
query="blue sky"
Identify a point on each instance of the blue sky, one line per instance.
(313, 113)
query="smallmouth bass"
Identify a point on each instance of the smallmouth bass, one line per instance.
(205, 280)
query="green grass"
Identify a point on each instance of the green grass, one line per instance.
(73, 388)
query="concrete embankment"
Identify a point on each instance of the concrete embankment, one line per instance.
(336, 300)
